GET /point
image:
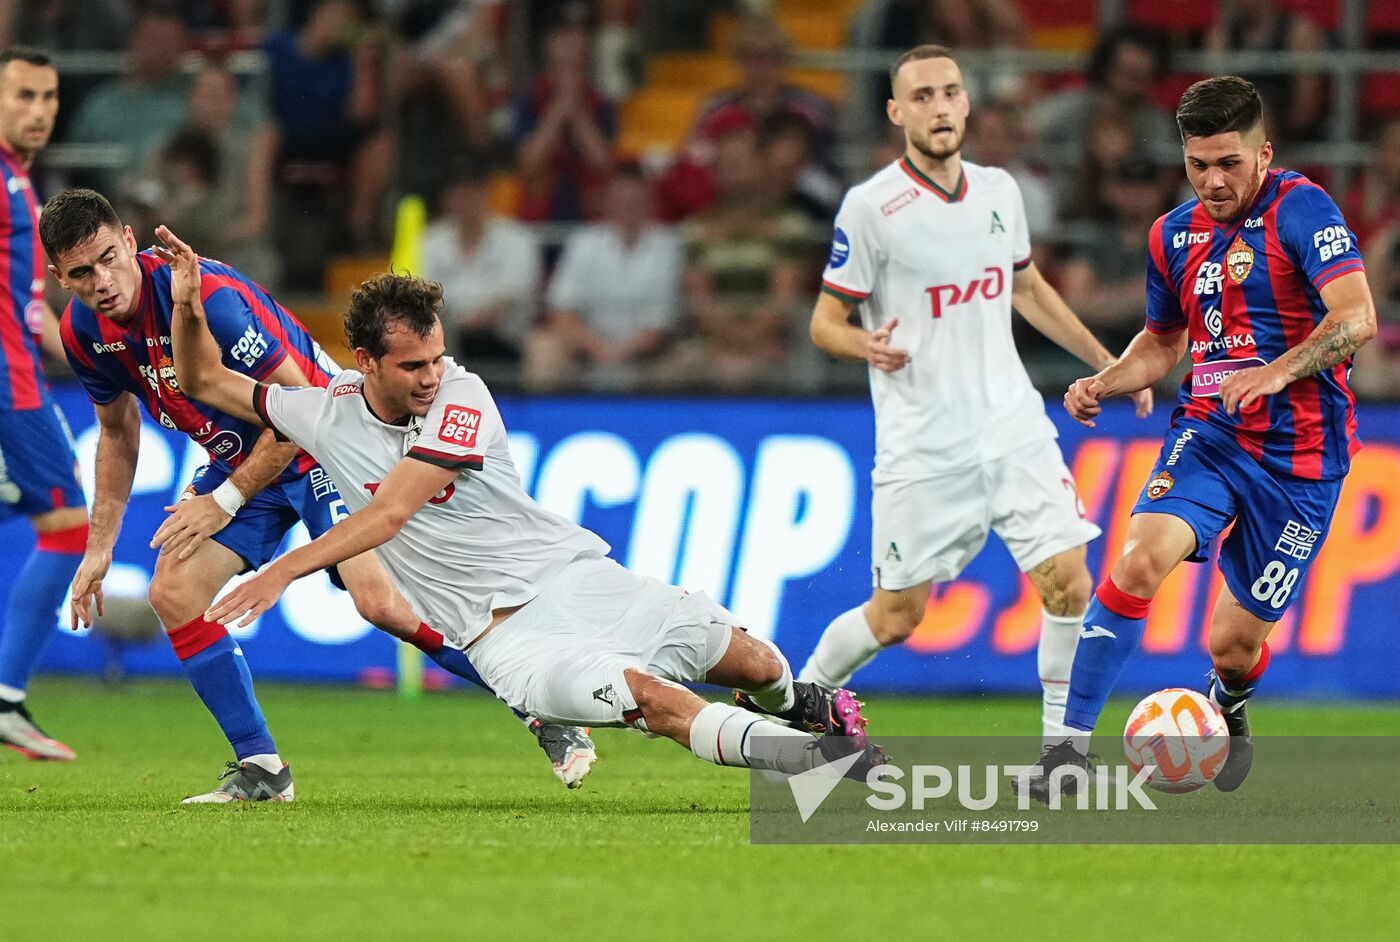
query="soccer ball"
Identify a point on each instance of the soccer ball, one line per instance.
(1181, 734)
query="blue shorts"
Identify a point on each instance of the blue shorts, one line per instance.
(256, 531)
(38, 471)
(1205, 478)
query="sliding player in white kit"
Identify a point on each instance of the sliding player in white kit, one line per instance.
(553, 625)
(938, 248)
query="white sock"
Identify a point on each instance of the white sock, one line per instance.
(267, 761)
(1059, 636)
(11, 694)
(845, 647)
(777, 696)
(727, 735)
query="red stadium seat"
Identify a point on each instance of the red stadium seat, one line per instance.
(1060, 13)
(1380, 95)
(1383, 19)
(1173, 16)
(1326, 14)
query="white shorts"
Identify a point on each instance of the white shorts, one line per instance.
(561, 657)
(930, 529)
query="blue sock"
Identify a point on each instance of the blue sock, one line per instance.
(1229, 691)
(215, 666)
(32, 613)
(1113, 628)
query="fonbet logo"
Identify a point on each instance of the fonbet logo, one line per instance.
(892, 788)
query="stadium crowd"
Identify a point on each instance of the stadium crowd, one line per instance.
(577, 248)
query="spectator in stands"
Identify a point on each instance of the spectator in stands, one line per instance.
(333, 152)
(69, 25)
(1377, 367)
(1373, 202)
(1081, 189)
(452, 89)
(564, 129)
(614, 302)
(891, 25)
(139, 110)
(247, 146)
(747, 277)
(1122, 69)
(617, 54)
(785, 145)
(996, 138)
(763, 95)
(1296, 104)
(188, 169)
(489, 269)
(1102, 279)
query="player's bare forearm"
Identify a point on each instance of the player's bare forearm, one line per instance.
(200, 368)
(118, 445)
(1043, 308)
(1349, 324)
(833, 332)
(264, 463)
(1148, 359)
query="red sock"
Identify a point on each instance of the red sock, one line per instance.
(194, 636)
(427, 640)
(1121, 603)
(72, 541)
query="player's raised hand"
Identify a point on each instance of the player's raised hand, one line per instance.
(880, 354)
(249, 599)
(1243, 388)
(1084, 400)
(184, 266)
(87, 589)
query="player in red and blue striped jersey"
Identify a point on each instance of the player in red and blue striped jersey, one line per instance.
(116, 332)
(38, 472)
(1260, 280)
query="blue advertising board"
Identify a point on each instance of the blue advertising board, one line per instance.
(764, 504)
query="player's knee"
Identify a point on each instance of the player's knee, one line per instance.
(657, 700)
(374, 608)
(171, 599)
(1074, 596)
(894, 622)
(1141, 570)
(1232, 655)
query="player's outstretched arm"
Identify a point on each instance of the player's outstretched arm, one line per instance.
(1148, 359)
(407, 487)
(198, 364)
(833, 332)
(1349, 324)
(118, 444)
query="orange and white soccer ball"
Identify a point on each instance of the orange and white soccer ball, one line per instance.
(1181, 734)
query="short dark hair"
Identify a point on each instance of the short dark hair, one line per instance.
(926, 51)
(25, 54)
(1218, 106)
(388, 299)
(196, 149)
(72, 218)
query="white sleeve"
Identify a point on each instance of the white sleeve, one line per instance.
(456, 429)
(292, 412)
(1020, 230)
(856, 252)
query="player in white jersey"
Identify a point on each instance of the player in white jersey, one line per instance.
(938, 248)
(554, 626)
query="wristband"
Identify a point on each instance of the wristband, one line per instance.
(228, 497)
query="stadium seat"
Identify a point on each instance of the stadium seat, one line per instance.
(1327, 14)
(1380, 95)
(1173, 16)
(344, 274)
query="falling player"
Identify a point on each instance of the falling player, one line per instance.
(935, 252)
(1261, 279)
(557, 628)
(38, 471)
(116, 332)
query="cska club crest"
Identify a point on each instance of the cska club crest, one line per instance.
(1159, 485)
(1239, 261)
(165, 369)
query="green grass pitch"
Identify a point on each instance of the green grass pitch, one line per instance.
(440, 819)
